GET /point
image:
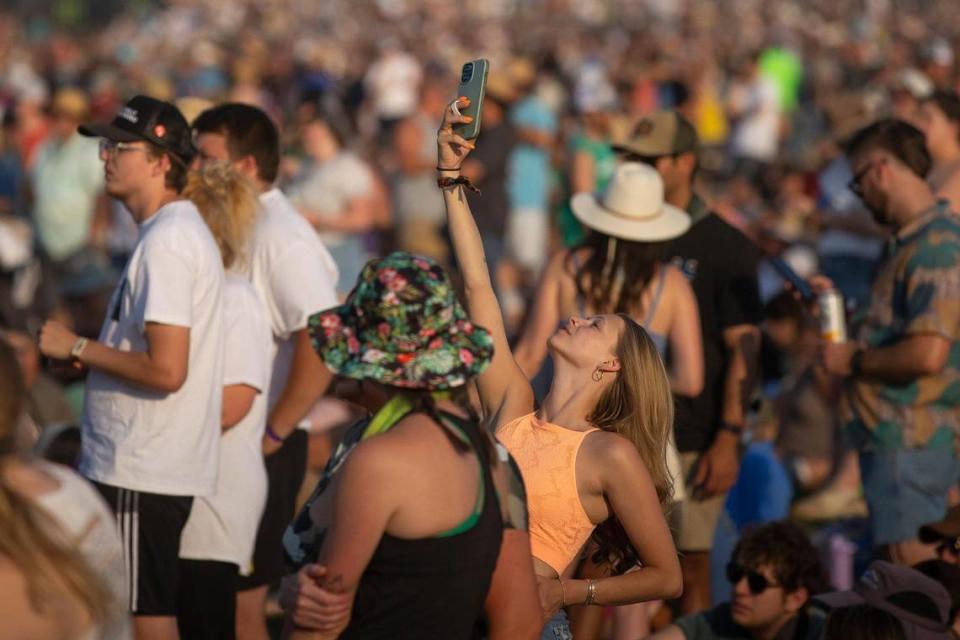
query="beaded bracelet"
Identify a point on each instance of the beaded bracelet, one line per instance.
(446, 183)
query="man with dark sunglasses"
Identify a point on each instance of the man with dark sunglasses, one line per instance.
(945, 534)
(774, 571)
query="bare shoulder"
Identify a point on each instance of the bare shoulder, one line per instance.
(674, 278)
(611, 450)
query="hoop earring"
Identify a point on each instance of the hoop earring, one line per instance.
(597, 374)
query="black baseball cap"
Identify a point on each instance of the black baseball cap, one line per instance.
(920, 603)
(149, 119)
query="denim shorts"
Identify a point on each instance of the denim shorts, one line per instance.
(557, 627)
(905, 490)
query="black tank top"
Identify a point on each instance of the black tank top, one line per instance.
(432, 587)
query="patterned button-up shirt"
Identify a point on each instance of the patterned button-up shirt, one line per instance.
(916, 292)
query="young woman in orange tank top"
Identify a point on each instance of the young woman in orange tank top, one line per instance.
(594, 456)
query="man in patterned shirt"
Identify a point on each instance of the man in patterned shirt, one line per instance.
(902, 396)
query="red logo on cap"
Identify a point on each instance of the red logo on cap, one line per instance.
(159, 131)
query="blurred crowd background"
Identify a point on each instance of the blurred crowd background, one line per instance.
(773, 88)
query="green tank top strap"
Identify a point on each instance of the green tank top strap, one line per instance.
(402, 405)
(454, 426)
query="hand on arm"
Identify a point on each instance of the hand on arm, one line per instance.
(629, 490)
(162, 367)
(363, 504)
(308, 606)
(504, 390)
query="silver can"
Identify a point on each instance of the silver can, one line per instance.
(833, 319)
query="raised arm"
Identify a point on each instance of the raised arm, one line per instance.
(531, 350)
(505, 392)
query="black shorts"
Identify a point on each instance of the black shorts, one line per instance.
(150, 528)
(207, 600)
(285, 472)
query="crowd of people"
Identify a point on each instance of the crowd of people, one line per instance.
(284, 355)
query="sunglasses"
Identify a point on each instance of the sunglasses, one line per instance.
(949, 545)
(757, 582)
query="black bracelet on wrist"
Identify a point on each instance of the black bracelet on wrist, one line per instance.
(729, 427)
(439, 168)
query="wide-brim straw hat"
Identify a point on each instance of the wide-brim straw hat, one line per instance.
(632, 207)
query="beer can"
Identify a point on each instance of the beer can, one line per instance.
(833, 320)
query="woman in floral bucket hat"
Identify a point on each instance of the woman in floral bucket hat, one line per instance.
(594, 456)
(423, 533)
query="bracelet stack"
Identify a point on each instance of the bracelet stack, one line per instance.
(591, 593)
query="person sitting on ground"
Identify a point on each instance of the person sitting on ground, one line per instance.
(774, 571)
(920, 603)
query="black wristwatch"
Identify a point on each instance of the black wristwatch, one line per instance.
(729, 427)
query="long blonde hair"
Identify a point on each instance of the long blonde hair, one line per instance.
(30, 537)
(639, 406)
(227, 200)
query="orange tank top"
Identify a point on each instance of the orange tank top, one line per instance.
(547, 456)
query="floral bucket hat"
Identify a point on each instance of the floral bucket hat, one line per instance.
(402, 326)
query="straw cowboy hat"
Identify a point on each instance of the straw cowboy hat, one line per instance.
(632, 207)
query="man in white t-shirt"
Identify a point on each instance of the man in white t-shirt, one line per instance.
(151, 423)
(295, 277)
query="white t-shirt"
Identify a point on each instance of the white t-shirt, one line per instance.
(294, 275)
(327, 189)
(145, 440)
(392, 80)
(757, 134)
(84, 516)
(223, 526)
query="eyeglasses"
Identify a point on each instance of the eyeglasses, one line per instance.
(856, 185)
(757, 582)
(110, 148)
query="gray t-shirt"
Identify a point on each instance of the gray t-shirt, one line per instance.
(718, 624)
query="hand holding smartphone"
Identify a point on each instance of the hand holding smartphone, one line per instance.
(473, 84)
(801, 286)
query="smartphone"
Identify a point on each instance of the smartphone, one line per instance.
(788, 274)
(473, 84)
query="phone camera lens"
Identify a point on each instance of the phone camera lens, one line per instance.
(467, 72)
